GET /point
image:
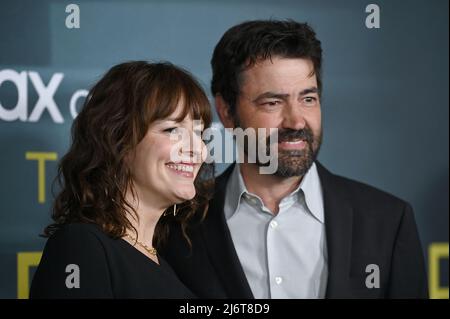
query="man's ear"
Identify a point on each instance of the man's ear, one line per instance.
(223, 111)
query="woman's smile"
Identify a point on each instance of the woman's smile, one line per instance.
(182, 169)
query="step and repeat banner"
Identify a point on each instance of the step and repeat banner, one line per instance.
(385, 100)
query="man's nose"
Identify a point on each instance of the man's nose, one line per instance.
(293, 117)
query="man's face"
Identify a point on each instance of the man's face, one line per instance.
(283, 93)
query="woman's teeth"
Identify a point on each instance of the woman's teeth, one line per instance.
(183, 168)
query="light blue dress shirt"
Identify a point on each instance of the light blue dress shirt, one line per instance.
(283, 255)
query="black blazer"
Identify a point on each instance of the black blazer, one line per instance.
(363, 226)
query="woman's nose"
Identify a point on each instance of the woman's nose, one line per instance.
(193, 148)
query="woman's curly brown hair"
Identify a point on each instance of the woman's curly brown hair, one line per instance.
(93, 176)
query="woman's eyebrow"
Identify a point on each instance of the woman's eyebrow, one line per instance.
(172, 119)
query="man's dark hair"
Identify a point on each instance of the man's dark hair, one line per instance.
(245, 44)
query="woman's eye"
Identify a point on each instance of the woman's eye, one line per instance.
(170, 129)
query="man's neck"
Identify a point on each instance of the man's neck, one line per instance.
(270, 188)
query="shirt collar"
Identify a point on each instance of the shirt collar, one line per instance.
(310, 189)
(234, 191)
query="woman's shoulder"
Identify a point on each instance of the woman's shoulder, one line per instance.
(74, 249)
(77, 243)
(79, 234)
(79, 228)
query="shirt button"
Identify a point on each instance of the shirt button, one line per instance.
(274, 224)
(279, 280)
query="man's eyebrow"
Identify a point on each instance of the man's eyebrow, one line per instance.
(273, 95)
(283, 96)
(309, 90)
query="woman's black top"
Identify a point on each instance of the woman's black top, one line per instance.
(81, 261)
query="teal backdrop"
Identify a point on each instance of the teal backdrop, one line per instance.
(385, 102)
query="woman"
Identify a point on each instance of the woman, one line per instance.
(123, 174)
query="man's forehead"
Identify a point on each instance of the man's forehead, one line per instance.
(281, 80)
(280, 67)
(281, 64)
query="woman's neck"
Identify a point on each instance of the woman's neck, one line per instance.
(148, 211)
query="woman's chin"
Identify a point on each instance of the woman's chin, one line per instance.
(184, 195)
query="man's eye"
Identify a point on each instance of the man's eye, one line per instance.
(271, 103)
(310, 100)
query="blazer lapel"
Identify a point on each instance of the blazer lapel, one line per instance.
(218, 241)
(338, 226)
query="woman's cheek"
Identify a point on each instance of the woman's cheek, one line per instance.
(166, 149)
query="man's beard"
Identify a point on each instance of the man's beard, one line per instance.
(292, 162)
(297, 162)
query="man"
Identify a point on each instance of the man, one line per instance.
(301, 232)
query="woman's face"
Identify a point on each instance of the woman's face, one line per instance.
(164, 168)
